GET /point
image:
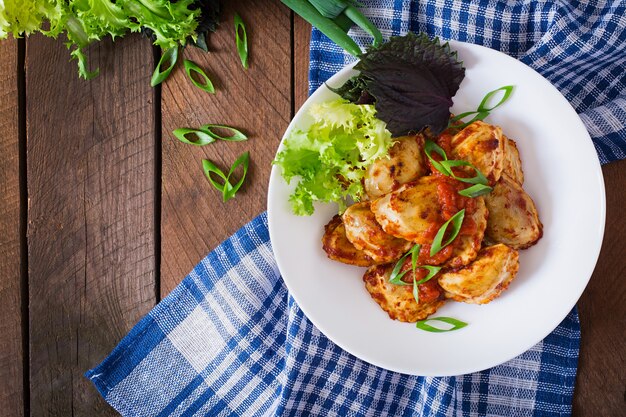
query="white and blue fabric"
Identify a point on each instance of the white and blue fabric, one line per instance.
(230, 341)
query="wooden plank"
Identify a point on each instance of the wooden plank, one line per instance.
(301, 38)
(91, 236)
(11, 385)
(257, 100)
(602, 309)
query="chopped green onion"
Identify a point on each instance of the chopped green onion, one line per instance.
(445, 167)
(508, 89)
(396, 275)
(159, 75)
(478, 179)
(364, 23)
(432, 271)
(457, 221)
(228, 190)
(326, 25)
(202, 137)
(241, 40)
(482, 111)
(456, 324)
(237, 136)
(476, 190)
(190, 67)
(430, 147)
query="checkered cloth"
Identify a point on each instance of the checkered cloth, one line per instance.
(229, 340)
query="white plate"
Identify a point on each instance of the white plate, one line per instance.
(562, 175)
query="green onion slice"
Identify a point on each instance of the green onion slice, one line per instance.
(476, 190)
(244, 161)
(228, 190)
(430, 147)
(241, 38)
(396, 275)
(456, 324)
(507, 89)
(432, 271)
(483, 109)
(190, 67)
(478, 179)
(210, 168)
(456, 221)
(159, 75)
(202, 137)
(237, 135)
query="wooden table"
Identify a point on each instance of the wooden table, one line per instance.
(103, 212)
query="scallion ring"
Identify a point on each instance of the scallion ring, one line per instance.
(430, 147)
(476, 190)
(432, 271)
(479, 178)
(237, 135)
(508, 89)
(241, 40)
(396, 275)
(192, 67)
(202, 137)
(438, 243)
(159, 75)
(455, 323)
(227, 188)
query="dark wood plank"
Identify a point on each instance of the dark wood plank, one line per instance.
(601, 379)
(11, 386)
(301, 38)
(194, 218)
(91, 236)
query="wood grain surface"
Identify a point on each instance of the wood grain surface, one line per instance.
(109, 189)
(258, 101)
(11, 386)
(601, 379)
(91, 214)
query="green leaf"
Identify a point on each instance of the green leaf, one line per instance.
(236, 136)
(456, 221)
(192, 67)
(241, 39)
(412, 80)
(170, 57)
(202, 138)
(456, 324)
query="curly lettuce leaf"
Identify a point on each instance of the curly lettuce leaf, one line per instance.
(411, 80)
(86, 21)
(330, 156)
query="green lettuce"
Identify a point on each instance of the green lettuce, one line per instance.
(329, 158)
(86, 21)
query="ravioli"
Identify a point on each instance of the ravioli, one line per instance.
(366, 234)
(404, 164)
(513, 218)
(482, 145)
(410, 211)
(485, 278)
(338, 247)
(398, 300)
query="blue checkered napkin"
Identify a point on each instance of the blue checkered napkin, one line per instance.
(230, 341)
